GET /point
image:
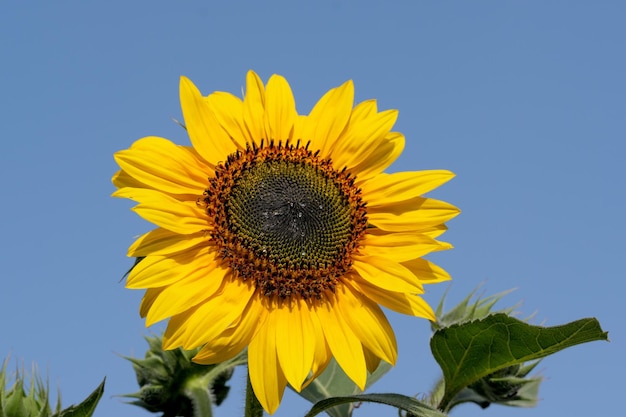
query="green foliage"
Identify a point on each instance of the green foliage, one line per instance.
(495, 347)
(16, 401)
(410, 405)
(85, 408)
(466, 311)
(486, 358)
(509, 386)
(333, 382)
(172, 384)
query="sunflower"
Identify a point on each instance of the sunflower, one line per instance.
(281, 233)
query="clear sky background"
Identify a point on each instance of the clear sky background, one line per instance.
(523, 100)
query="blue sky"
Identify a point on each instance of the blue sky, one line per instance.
(524, 101)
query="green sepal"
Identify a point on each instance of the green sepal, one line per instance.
(178, 122)
(470, 351)
(85, 408)
(410, 405)
(137, 260)
(466, 311)
(334, 381)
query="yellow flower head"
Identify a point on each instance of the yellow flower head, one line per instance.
(280, 232)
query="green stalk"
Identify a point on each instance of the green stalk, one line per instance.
(253, 407)
(200, 396)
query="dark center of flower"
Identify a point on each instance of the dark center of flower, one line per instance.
(286, 219)
(289, 212)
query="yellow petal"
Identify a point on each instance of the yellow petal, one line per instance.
(368, 323)
(399, 247)
(208, 139)
(400, 186)
(235, 338)
(363, 137)
(189, 291)
(184, 217)
(228, 111)
(435, 231)
(379, 158)
(411, 215)
(295, 341)
(280, 108)
(180, 221)
(329, 117)
(427, 272)
(204, 322)
(148, 298)
(344, 344)
(164, 166)
(157, 271)
(387, 274)
(298, 129)
(322, 355)
(266, 376)
(121, 179)
(405, 303)
(362, 111)
(371, 360)
(254, 108)
(164, 242)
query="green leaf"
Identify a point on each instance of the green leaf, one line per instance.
(411, 405)
(334, 382)
(87, 407)
(470, 351)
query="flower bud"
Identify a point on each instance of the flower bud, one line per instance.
(168, 381)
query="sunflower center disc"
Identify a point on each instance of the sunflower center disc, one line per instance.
(286, 219)
(290, 213)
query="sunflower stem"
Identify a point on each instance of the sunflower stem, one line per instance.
(253, 407)
(200, 396)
